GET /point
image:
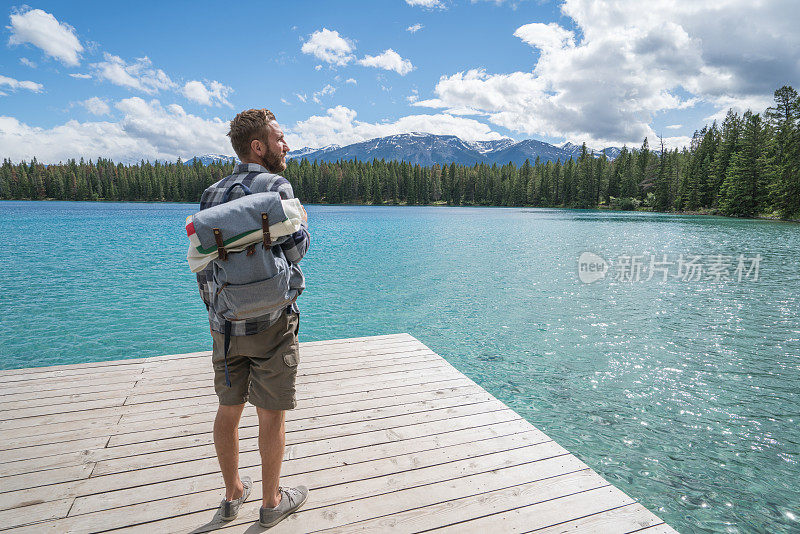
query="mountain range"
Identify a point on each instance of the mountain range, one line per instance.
(428, 149)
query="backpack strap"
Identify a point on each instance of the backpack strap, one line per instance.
(265, 230)
(221, 252)
(228, 191)
(227, 344)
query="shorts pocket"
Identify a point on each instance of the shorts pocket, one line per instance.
(291, 358)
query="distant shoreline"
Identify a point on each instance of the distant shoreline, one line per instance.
(763, 217)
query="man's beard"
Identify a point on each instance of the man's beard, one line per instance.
(273, 162)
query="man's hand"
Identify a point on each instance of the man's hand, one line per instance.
(305, 214)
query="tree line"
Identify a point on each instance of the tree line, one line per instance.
(749, 165)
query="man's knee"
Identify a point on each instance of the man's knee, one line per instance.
(228, 416)
(270, 417)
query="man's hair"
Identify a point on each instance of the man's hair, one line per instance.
(249, 125)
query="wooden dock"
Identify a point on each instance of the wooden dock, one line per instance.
(387, 435)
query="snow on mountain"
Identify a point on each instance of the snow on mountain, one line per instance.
(430, 149)
(208, 159)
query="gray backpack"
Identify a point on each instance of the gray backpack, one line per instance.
(249, 281)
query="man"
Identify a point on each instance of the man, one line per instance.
(264, 351)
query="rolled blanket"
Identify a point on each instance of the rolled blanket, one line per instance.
(239, 222)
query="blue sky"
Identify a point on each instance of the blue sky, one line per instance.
(161, 79)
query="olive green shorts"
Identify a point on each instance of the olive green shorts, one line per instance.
(262, 367)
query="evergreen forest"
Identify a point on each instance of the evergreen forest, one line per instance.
(747, 166)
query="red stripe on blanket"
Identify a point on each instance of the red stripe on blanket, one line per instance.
(190, 229)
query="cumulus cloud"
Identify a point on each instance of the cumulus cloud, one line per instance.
(674, 127)
(96, 106)
(339, 126)
(147, 131)
(628, 65)
(27, 62)
(327, 90)
(330, 47)
(42, 30)
(351, 81)
(139, 75)
(429, 4)
(81, 76)
(14, 84)
(214, 93)
(414, 28)
(388, 60)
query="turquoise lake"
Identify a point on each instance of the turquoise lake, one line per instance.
(682, 393)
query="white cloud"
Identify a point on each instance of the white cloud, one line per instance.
(330, 47)
(147, 131)
(606, 86)
(27, 62)
(757, 104)
(546, 37)
(139, 75)
(351, 81)
(96, 106)
(388, 60)
(14, 84)
(42, 30)
(674, 127)
(81, 76)
(327, 90)
(283, 100)
(339, 126)
(414, 28)
(301, 97)
(213, 94)
(429, 4)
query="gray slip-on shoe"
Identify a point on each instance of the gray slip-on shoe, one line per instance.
(291, 500)
(228, 510)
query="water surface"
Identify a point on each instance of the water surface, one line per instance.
(682, 394)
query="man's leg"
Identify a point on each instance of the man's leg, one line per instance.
(271, 444)
(226, 441)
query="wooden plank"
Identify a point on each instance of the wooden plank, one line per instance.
(314, 346)
(343, 504)
(147, 446)
(352, 386)
(46, 380)
(576, 503)
(34, 512)
(316, 415)
(39, 451)
(491, 453)
(369, 491)
(298, 459)
(375, 364)
(324, 425)
(377, 433)
(389, 425)
(322, 382)
(50, 476)
(168, 411)
(194, 413)
(629, 518)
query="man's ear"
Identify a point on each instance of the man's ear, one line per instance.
(254, 146)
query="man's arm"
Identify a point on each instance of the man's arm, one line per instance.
(296, 246)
